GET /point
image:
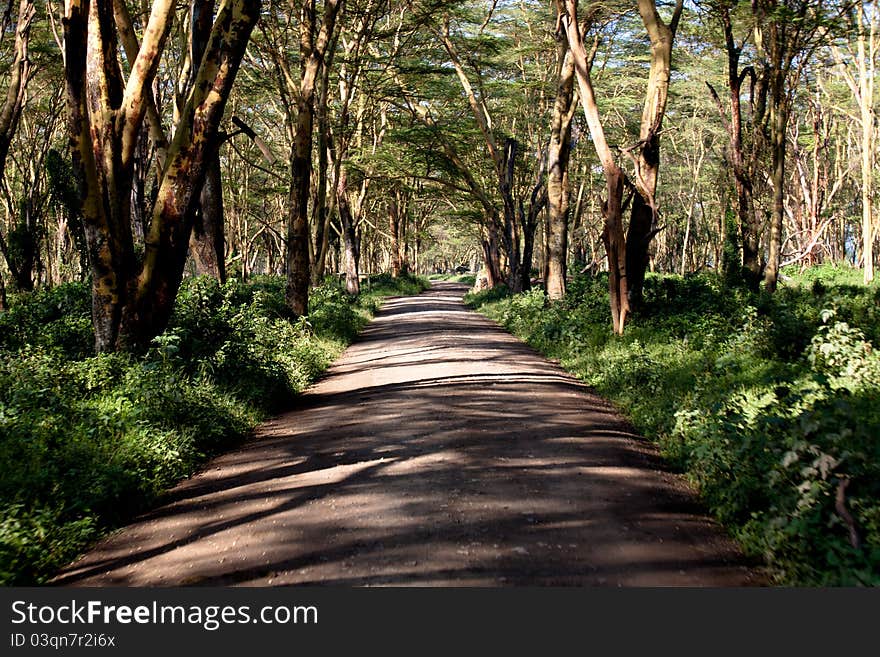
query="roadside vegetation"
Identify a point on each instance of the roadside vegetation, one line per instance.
(89, 440)
(467, 279)
(769, 403)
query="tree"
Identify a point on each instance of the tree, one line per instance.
(627, 255)
(862, 56)
(744, 158)
(313, 49)
(787, 32)
(131, 300)
(20, 70)
(559, 152)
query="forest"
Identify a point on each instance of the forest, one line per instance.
(204, 201)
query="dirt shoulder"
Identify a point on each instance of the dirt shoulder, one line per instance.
(438, 451)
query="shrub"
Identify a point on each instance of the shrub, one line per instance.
(88, 440)
(768, 403)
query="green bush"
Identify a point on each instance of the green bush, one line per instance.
(769, 403)
(88, 440)
(57, 318)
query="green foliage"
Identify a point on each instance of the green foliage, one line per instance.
(88, 440)
(56, 318)
(768, 403)
(467, 279)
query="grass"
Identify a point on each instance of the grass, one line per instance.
(769, 403)
(467, 279)
(86, 440)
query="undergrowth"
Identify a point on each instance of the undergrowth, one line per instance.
(86, 440)
(769, 403)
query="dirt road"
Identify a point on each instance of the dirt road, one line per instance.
(438, 450)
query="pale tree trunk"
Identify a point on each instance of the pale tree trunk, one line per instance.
(643, 224)
(322, 213)
(779, 125)
(779, 39)
(19, 74)
(351, 248)
(129, 305)
(394, 226)
(559, 151)
(627, 256)
(862, 87)
(615, 178)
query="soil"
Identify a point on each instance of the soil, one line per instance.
(438, 451)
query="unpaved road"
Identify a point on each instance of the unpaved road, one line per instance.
(438, 451)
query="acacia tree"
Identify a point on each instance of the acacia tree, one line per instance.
(859, 52)
(20, 70)
(313, 49)
(744, 156)
(627, 255)
(208, 236)
(505, 149)
(132, 301)
(558, 155)
(787, 32)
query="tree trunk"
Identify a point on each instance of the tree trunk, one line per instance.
(322, 213)
(529, 228)
(351, 247)
(750, 227)
(615, 248)
(643, 217)
(394, 232)
(559, 151)
(631, 251)
(19, 74)
(779, 125)
(130, 307)
(491, 255)
(20, 258)
(510, 236)
(312, 52)
(298, 275)
(208, 243)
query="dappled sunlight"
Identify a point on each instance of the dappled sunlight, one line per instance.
(469, 460)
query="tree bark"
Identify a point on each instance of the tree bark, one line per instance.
(743, 171)
(351, 246)
(208, 240)
(615, 178)
(779, 126)
(312, 52)
(643, 224)
(529, 223)
(208, 243)
(19, 75)
(131, 306)
(394, 232)
(627, 256)
(20, 265)
(559, 151)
